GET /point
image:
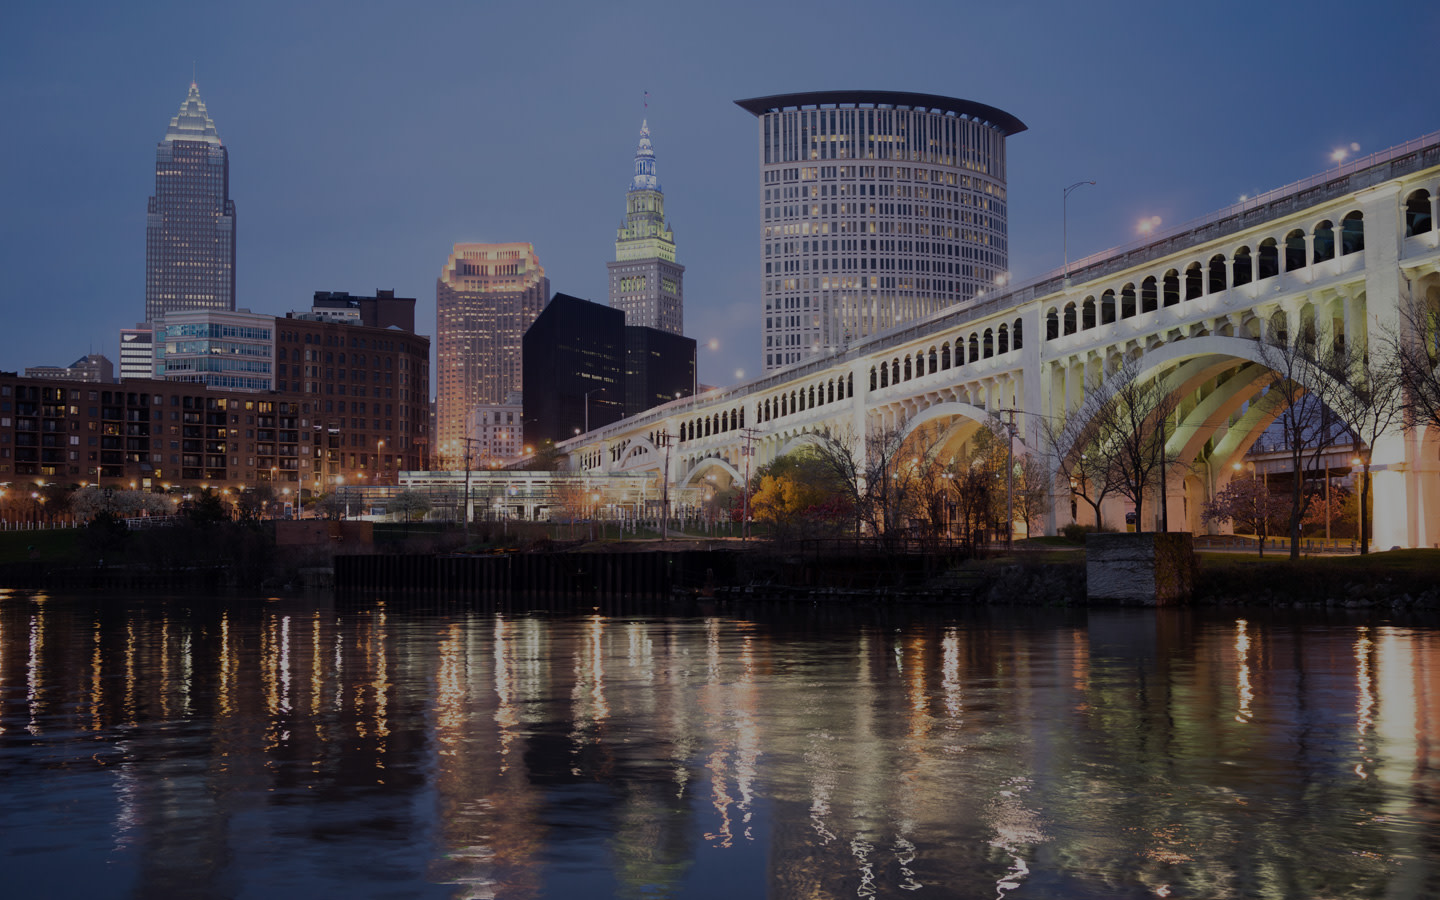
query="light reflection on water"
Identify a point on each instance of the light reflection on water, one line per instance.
(284, 749)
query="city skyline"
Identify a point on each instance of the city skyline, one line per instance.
(342, 190)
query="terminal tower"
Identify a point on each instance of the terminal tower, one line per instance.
(646, 283)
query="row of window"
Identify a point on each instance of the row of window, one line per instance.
(1198, 280)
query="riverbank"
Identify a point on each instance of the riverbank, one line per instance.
(1043, 572)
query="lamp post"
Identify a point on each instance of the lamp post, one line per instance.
(587, 406)
(1363, 461)
(1065, 223)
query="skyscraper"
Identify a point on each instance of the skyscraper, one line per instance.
(877, 207)
(487, 296)
(645, 281)
(190, 226)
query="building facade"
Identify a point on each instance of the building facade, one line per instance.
(137, 352)
(659, 367)
(586, 368)
(190, 223)
(487, 296)
(93, 368)
(496, 433)
(384, 310)
(877, 207)
(367, 391)
(232, 351)
(574, 370)
(646, 283)
(350, 407)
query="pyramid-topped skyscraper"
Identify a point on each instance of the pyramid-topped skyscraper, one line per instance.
(190, 225)
(645, 281)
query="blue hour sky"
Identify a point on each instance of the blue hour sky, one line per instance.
(367, 138)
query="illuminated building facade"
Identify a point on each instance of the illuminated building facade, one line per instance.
(187, 434)
(496, 432)
(487, 296)
(92, 367)
(234, 351)
(877, 207)
(137, 352)
(646, 283)
(368, 392)
(190, 223)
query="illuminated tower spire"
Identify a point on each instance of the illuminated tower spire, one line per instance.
(190, 221)
(645, 281)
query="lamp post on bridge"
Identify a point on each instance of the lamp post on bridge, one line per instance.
(1065, 223)
(587, 406)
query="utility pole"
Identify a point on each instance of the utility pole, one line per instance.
(1009, 479)
(664, 439)
(747, 450)
(1164, 482)
(468, 441)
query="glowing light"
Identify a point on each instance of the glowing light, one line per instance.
(1148, 225)
(1245, 692)
(739, 373)
(713, 343)
(1339, 154)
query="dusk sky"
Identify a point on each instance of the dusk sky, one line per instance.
(366, 139)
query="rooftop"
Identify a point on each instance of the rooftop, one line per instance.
(935, 103)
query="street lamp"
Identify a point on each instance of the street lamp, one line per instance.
(1065, 221)
(587, 406)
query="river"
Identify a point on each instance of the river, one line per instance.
(275, 748)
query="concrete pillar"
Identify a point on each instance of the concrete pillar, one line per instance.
(1398, 465)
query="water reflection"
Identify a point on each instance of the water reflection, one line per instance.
(278, 749)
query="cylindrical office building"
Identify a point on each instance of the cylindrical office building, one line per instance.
(877, 207)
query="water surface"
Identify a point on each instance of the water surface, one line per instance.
(271, 749)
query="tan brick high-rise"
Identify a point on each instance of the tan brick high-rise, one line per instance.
(486, 298)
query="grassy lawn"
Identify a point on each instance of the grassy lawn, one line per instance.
(50, 545)
(1414, 562)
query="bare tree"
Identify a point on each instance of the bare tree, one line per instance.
(1127, 427)
(1032, 490)
(877, 473)
(1083, 475)
(891, 486)
(1416, 350)
(840, 454)
(1368, 397)
(1303, 382)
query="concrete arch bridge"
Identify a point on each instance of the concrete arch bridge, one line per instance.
(1344, 252)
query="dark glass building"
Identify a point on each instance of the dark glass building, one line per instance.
(585, 368)
(574, 369)
(190, 225)
(659, 367)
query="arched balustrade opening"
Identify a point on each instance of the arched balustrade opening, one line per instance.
(1194, 282)
(1352, 233)
(1418, 216)
(1268, 262)
(1324, 241)
(1217, 273)
(1242, 271)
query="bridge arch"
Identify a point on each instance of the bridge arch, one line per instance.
(639, 446)
(705, 465)
(961, 420)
